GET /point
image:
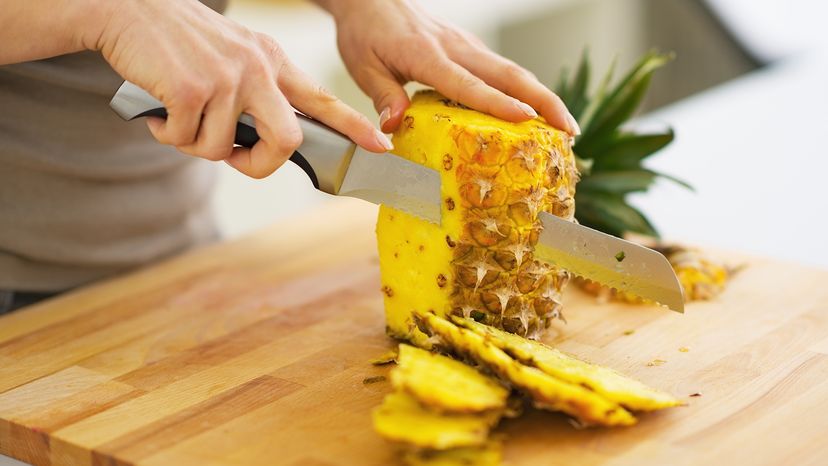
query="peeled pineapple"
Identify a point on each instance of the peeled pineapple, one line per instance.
(496, 177)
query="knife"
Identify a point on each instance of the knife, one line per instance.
(337, 166)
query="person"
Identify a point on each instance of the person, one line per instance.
(84, 196)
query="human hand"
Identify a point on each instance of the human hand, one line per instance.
(207, 70)
(385, 44)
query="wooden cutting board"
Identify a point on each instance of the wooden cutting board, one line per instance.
(256, 351)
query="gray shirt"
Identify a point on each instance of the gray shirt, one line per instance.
(84, 195)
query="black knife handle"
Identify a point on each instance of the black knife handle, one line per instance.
(246, 136)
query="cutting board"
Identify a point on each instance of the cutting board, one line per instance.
(255, 352)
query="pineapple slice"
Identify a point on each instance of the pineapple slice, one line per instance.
(496, 177)
(545, 390)
(489, 454)
(446, 385)
(612, 385)
(401, 418)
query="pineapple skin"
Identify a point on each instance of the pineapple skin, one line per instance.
(446, 385)
(401, 418)
(612, 385)
(496, 177)
(546, 391)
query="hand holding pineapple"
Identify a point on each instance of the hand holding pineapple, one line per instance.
(386, 44)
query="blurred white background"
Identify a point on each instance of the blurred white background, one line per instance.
(745, 95)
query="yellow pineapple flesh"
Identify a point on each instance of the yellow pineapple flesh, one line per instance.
(545, 390)
(444, 384)
(608, 383)
(401, 418)
(496, 177)
(490, 454)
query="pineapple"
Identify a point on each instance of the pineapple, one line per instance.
(490, 454)
(402, 418)
(701, 276)
(608, 383)
(496, 178)
(446, 385)
(546, 391)
(470, 287)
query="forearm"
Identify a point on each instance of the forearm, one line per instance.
(35, 29)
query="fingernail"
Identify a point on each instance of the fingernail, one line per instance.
(573, 125)
(526, 109)
(383, 140)
(385, 114)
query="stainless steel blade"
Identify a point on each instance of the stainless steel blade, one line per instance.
(394, 181)
(609, 261)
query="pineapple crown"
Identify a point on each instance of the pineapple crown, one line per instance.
(609, 155)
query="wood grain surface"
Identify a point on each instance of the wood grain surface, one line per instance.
(254, 353)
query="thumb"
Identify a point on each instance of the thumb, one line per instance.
(390, 99)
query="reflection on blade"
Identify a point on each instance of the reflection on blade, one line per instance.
(609, 261)
(393, 181)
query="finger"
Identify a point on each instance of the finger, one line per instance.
(183, 117)
(279, 135)
(457, 83)
(390, 98)
(314, 100)
(517, 82)
(217, 131)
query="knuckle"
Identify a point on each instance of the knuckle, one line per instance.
(323, 95)
(191, 93)
(269, 46)
(288, 143)
(216, 153)
(178, 138)
(513, 71)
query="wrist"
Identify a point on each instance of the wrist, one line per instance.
(341, 8)
(94, 21)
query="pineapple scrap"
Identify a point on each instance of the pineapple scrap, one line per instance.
(490, 454)
(385, 358)
(446, 385)
(401, 418)
(701, 277)
(608, 383)
(588, 407)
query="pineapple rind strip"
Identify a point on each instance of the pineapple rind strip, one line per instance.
(612, 385)
(446, 385)
(490, 454)
(546, 391)
(401, 418)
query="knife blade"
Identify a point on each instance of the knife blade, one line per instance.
(610, 261)
(333, 162)
(337, 166)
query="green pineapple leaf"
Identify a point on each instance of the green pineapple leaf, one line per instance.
(627, 150)
(610, 159)
(618, 182)
(611, 214)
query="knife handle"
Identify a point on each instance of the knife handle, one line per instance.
(324, 154)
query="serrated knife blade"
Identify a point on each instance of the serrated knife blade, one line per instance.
(610, 261)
